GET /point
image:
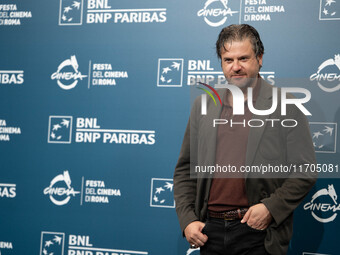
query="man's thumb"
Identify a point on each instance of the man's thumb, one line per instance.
(245, 217)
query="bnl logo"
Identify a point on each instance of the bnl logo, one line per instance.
(60, 129)
(170, 72)
(324, 136)
(52, 243)
(71, 12)
(329, 10)
(162, 193)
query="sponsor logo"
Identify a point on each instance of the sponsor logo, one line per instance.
(202, 71)
(88, 131)
(193, 251)
(197, 71)
(170, 72)
(102, 74)
(71, 12)
(8, 190)
(323, 205)
(11, 77)
(52, 243)
(97, 192)
(6, 245)
(219, 12)
(328, 73)
(100, 12)
(60, 190)
(11, 16)
(312, 253)
(7, 131)
(77, 244)
(68, 78)
(60, 129)
(329, 10)
(259, 10)
(161, 194)
(97, 15)
(324, 136)
(216, 12)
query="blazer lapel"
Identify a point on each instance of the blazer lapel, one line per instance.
(213, 112)
(263, 102)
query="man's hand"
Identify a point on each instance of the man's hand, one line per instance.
(257, 217)
(193, 233)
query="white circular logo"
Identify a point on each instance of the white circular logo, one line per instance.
(326, 211)
(327, 77)
(60, 195)
(192, 251)
(215, 16)
(70, 75)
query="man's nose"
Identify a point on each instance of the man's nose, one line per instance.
(236, 66)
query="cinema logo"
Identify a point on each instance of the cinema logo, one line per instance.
(324, 205)
(216, 12)
(328, 75)
(100, 74)
(101, 12)
(77, 244)
(96, 191)
(103, 74)
(259, 10)
(67, 74)
(191, 251)
(11, 16)
(60, 190)
(313, 253)
(6, 245)
(238, 106)
(7, 131)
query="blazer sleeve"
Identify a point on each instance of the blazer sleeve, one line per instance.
(185, 184)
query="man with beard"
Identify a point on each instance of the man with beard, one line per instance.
(241, 213)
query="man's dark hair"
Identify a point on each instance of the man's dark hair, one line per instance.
(239, 33)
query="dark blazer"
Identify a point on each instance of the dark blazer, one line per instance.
(266, 145)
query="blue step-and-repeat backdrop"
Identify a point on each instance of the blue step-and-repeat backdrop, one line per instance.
(94, 100)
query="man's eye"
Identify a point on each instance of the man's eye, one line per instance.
(228, 60)
(244, 59)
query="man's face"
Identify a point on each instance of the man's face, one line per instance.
(239, 63)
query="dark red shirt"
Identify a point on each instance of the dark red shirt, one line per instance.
(228, 191)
